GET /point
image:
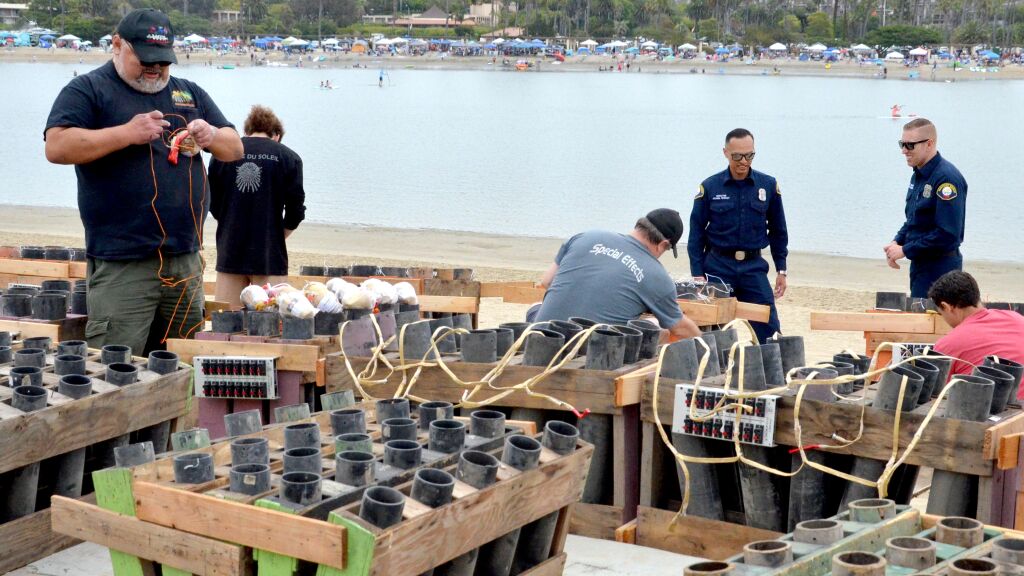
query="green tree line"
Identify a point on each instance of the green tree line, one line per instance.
(749, 22)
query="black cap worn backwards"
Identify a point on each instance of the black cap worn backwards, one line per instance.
(668, 222)
(149, 32)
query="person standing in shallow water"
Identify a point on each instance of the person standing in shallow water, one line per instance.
(258, 202)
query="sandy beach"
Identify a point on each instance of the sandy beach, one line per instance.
(816, 281)
(643, 64)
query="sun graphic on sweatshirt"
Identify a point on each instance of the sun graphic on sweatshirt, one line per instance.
(247, 179)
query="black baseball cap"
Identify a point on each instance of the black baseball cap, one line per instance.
(668, 222)
(149, 32)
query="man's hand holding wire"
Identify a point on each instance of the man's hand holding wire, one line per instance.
(202, 132)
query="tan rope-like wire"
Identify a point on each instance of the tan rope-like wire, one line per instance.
(366, 378)
(894, 461)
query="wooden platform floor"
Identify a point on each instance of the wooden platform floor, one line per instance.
(587, 557)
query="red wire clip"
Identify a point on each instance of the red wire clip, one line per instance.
(581, 415)
(807, 447)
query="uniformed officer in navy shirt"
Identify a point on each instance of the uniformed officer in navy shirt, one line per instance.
(936, 207)
(736, 214)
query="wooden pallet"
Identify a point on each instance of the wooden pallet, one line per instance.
(66, 425)
(715, 540)
(879, 327)
(193, 531)
(615, 393)
(70, 328)
(952, 445)
(21, 271)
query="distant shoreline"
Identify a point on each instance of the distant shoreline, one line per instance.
(433, 61)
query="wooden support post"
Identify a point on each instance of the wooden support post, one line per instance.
(270, 563)
(114, 492)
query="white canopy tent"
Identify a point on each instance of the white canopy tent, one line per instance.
(195, 39)
(687, 46)
(396, 41)
(589, 43)
(778, 47)
(331, 42)
(919, 52)
(289, 41)
(69, 38)
(649, 44)
(894, 56)
(817, 47)
(617, 44)
(860, 48)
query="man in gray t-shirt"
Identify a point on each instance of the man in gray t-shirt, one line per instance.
(612, 278)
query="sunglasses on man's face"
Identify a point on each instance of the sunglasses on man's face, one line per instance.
(910, 145)
(736, 157)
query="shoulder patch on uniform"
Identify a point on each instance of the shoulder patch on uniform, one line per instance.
(700, 192)
(777, 189)
(946, 191)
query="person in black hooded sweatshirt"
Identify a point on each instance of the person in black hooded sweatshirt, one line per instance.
(258, 202)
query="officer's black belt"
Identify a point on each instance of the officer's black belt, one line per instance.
(735, 254)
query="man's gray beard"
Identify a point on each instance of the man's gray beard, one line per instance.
(141, 84)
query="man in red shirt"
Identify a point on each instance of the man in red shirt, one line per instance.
(977, 332)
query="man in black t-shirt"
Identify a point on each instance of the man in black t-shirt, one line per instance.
(142, 200)
(258, 202)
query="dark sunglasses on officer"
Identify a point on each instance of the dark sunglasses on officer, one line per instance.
(909, 146)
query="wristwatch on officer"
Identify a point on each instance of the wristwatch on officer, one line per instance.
(783, 273)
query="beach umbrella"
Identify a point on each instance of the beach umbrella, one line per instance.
(69, 38)
(989, 55)
(687, 46)
(778, 47)
(721, 50)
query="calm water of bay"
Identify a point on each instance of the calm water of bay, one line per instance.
(553, 154)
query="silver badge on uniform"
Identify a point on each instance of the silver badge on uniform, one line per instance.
(927, 191)
(762, 195)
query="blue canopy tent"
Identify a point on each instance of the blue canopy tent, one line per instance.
(831, 54)
(721, 50)
(582, 51)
